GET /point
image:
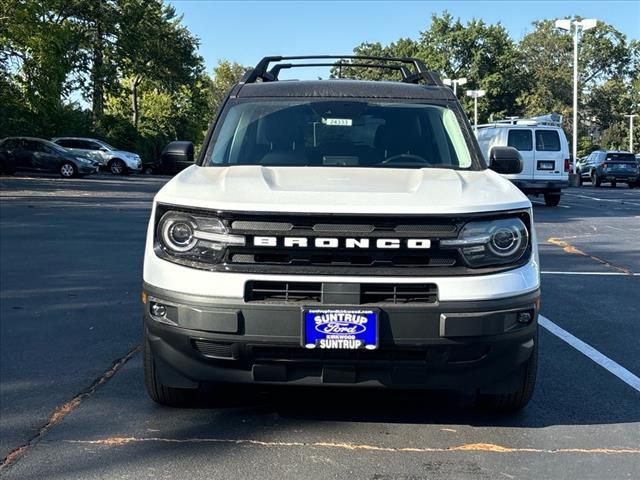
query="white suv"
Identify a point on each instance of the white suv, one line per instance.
(118, 162)
(544, 150)
(342, 233)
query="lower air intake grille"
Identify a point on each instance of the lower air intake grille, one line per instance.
(398, 293)
(214, 349)
(288, 292)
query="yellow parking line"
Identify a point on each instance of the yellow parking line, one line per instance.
(467, 447)
(567, 247)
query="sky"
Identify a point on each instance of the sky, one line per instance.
(245, 31)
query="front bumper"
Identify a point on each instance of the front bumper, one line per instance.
(460, 345)
(134, 165)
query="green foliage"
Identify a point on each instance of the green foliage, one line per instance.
(225, 75)
(132, 60)
(137, 67)
(529, 78)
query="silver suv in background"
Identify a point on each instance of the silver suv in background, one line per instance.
(118, 162)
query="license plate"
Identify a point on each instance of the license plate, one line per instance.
(340, 328)
(548, 165)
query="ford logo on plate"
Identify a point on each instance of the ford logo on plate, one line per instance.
(340, 323)
(339, 327)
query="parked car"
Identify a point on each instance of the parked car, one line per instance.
(609, 166)
(344, 233)
(39, 155)
(544, 149)
(118, 162)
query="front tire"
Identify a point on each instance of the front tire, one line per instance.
(159, 393)
(68, 170)
(117, 167)
(551, 199)
(514, 401)
(595, 180)
(613, 184)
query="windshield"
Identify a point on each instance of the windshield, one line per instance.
(55, 147)
(106, 145)
(350, 133)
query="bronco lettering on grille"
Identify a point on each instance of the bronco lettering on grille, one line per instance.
(333, 242)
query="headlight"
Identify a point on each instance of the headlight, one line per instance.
(492, 242)
(188, 238)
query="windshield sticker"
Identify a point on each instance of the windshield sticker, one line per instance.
(338, 122)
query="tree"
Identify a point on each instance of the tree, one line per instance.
(606, 69)
(41, 54)
(484, 54)
(225, 75)
(404, 47)
(153, 45)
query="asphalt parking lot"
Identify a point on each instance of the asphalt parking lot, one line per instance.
(73, 405)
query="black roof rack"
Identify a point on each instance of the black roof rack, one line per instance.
(418, 73)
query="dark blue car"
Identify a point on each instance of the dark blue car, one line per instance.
(38, 155)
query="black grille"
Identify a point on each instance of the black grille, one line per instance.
(341, 260)
(398, 293)
(215, 349)
(287, 292)
(350, 258)
(311, 292)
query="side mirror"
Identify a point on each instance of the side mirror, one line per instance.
(181, 150)
(506, 160)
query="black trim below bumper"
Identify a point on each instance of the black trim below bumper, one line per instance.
(540, 186)
(447, 345)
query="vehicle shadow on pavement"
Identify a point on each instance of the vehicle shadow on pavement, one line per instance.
(310, 404)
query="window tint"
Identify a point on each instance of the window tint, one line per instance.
(547, 141)
(33, 146)
(352, 133)
(87, 145)
(520, 140)
(621, 156)
(65, 143)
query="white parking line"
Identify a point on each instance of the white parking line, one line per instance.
(605, 362)
(598, 199)
(548, 272)
(542, 204)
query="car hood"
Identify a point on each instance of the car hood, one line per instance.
(342, 190)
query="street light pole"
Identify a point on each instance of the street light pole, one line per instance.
(574, 149)
(578, 26)
(475, 94)
(631, 130)
(454, 83)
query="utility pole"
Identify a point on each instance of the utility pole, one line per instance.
(578, 26)
(475, 94)
(631, 130)
(454, 83)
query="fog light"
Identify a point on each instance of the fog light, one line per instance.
(524, 317)
(158, 310)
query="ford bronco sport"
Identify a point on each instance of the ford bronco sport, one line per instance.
(342, 233)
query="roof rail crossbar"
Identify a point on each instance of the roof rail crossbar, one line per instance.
(404, 71)
(262, 72)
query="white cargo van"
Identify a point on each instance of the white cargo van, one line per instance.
(544, 150)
